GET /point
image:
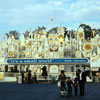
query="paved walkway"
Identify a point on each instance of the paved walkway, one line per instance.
(11, 91)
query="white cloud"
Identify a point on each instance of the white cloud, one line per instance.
(24, 13)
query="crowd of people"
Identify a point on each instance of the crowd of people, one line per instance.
(27, 77)
(66, 83)
(78, 82)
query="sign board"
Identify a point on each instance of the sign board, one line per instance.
(47, 61)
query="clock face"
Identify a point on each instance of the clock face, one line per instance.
(11, 53)
(54, 69)
(53, 44)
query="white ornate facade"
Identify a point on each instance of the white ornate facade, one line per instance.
(45, 45)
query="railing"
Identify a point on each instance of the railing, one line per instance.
(55, 75)
(48, 78)
(42, 78)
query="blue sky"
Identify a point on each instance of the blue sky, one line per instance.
(24, 14)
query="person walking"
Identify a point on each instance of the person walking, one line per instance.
(81, 79)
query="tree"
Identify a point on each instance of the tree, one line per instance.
(87, 30)
(26, 34)
(98, 30)
(53, 30)
(13, 33)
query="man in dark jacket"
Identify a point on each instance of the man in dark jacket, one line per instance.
(82, 79)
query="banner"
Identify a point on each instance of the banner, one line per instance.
(46, 61)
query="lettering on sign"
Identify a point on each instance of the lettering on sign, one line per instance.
(47, 61)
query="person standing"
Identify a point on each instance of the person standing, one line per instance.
(44, 72)
(62, 79)
(76, 86)
(20, 79)
(81, 79)
(22, 76)
(35, 77)
(69, 84)
(29, 76)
